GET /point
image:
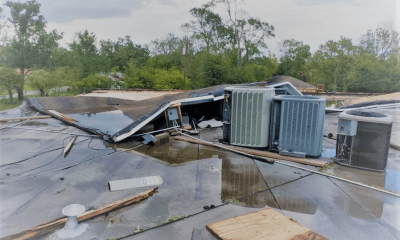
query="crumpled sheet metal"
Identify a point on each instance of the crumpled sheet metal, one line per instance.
(140, 112)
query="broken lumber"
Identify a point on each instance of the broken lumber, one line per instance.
(316, 163)
(69, 146)
(65, 117)
(262, 224)
(394, 146)
(24, 118)
(59, 223)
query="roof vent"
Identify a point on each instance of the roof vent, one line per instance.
(72, 229)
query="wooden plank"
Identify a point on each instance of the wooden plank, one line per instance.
(24, 118)
(60, 222)
(262, 224)
(65, 117)
(317, 163)
(69, 145)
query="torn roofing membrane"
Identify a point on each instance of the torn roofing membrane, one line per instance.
(116, 119)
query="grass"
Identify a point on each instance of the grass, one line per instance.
(27, 88)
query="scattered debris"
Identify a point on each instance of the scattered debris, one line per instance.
(58, 223)
(209, 207)
(65, 117)
(210, 123)
(263, 224)
(148, 138)
(134, 183)
(58, 192)
(69, 146)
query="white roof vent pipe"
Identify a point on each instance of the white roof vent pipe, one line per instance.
(72, 229)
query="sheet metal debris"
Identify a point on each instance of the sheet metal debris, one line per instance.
(210, 123)
(134, 183)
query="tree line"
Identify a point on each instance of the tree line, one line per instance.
(224, 46)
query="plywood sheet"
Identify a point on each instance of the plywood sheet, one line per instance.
(263, 224)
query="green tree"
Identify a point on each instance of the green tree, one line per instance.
(294, 57)
(31, 46)
(85, 51)
(10, 80)
(91, 82)
(41, 80)
(170, 79)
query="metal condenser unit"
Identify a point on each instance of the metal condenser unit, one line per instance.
(246, 116)
(363, 139)
(297, 124)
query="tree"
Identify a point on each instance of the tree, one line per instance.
(167, 45)
(31, 46)
(382, 42)
(294, 57)
(253, 34)
(91, 82)
(85, 51)
(10, 80)
(206, 27)
(41, 80)
(170, 79)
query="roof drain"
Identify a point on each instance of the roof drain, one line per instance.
(72, 229)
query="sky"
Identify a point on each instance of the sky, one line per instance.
(312, 21)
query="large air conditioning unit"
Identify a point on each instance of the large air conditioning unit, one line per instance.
(363, 139)
(246, 116)
(297, 124)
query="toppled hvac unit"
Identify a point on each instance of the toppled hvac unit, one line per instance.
(296, 125)
(246, 116)
(363, 139)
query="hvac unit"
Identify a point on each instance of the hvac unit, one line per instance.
(246, 116)
(363, 139)
(296, 125)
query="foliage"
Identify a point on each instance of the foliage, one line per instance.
(294, 57)
(84, 50)
(9, 81)
(31, 46)
(91, 82)
(41, 80)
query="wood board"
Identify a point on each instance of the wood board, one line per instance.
(263, 224)
(316, 163)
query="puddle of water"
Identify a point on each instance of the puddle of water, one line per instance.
(240, 175)
(108, 119)
(392, 180)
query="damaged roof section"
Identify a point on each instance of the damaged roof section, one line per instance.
(95, 114)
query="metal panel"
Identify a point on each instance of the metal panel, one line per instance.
(301, 125)
(250, 116)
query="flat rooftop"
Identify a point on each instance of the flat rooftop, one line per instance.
(37, 182)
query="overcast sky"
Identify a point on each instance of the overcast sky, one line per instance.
(312, 21)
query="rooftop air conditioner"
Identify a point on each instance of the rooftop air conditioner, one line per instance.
(296, 125)
(246, 116)
(363, 139)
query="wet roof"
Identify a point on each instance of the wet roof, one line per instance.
(34, 192)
